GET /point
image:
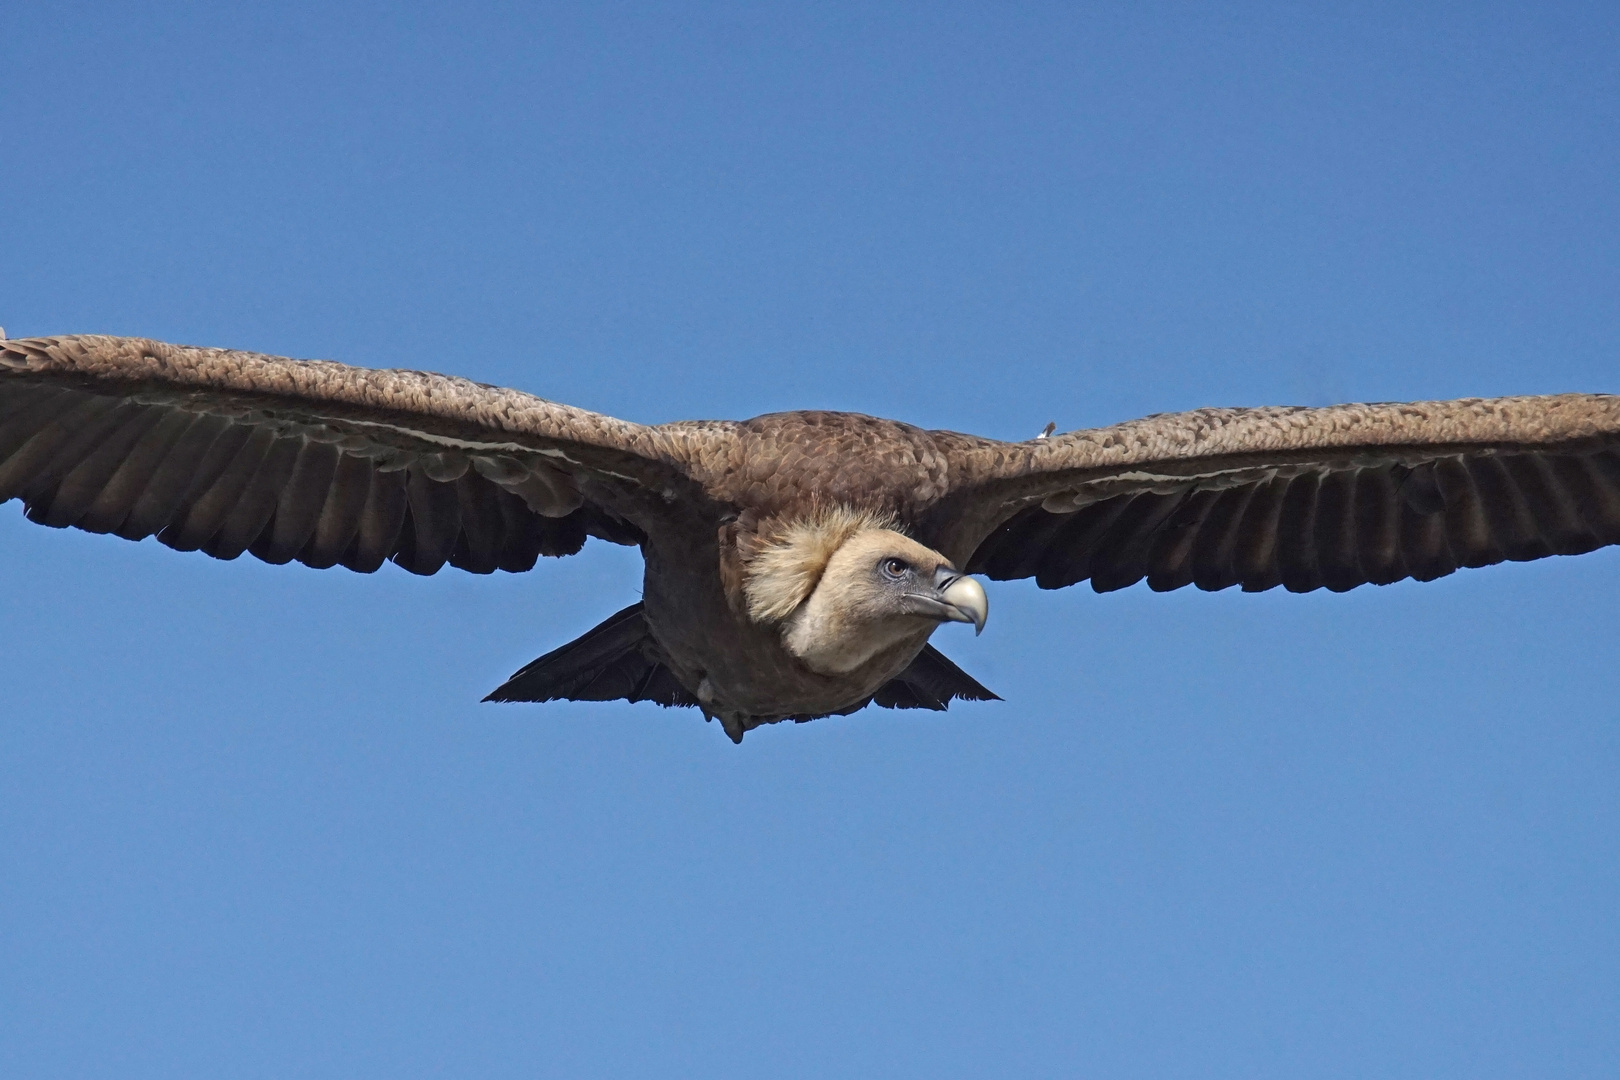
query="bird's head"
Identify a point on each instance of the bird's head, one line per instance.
(846, 586)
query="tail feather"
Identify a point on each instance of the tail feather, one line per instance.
(931, 682)
(616, 659)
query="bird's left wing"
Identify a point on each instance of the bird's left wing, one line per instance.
(1305, 498)
(225, 452)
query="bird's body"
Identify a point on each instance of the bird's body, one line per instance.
(797, 563)
(777, 473)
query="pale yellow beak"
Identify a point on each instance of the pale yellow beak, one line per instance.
(967, 596)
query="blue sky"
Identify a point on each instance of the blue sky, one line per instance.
(254, 822)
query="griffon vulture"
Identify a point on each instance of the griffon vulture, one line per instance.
(796, 563)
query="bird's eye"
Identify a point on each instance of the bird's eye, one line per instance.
(895, 567)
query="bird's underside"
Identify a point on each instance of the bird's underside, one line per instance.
(797, 563)
(620, 660)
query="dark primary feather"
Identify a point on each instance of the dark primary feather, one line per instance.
(200, 480)
(299, 504)
(1335, 526)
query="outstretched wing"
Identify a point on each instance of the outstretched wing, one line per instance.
(1304, 498)
(225, 452)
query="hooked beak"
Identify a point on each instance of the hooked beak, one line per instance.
(956, 598)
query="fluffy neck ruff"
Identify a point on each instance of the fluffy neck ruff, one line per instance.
(791, 561)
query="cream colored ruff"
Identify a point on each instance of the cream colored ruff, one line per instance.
(787, 569)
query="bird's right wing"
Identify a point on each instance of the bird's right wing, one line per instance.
(225, 452)
(1305, 498)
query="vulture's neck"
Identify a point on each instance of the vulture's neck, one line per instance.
(792, 557)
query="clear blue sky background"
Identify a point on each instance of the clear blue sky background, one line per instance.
(254, 822)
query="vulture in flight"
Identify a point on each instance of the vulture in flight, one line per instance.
(796, 563)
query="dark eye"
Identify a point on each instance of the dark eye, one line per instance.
(895, 567)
